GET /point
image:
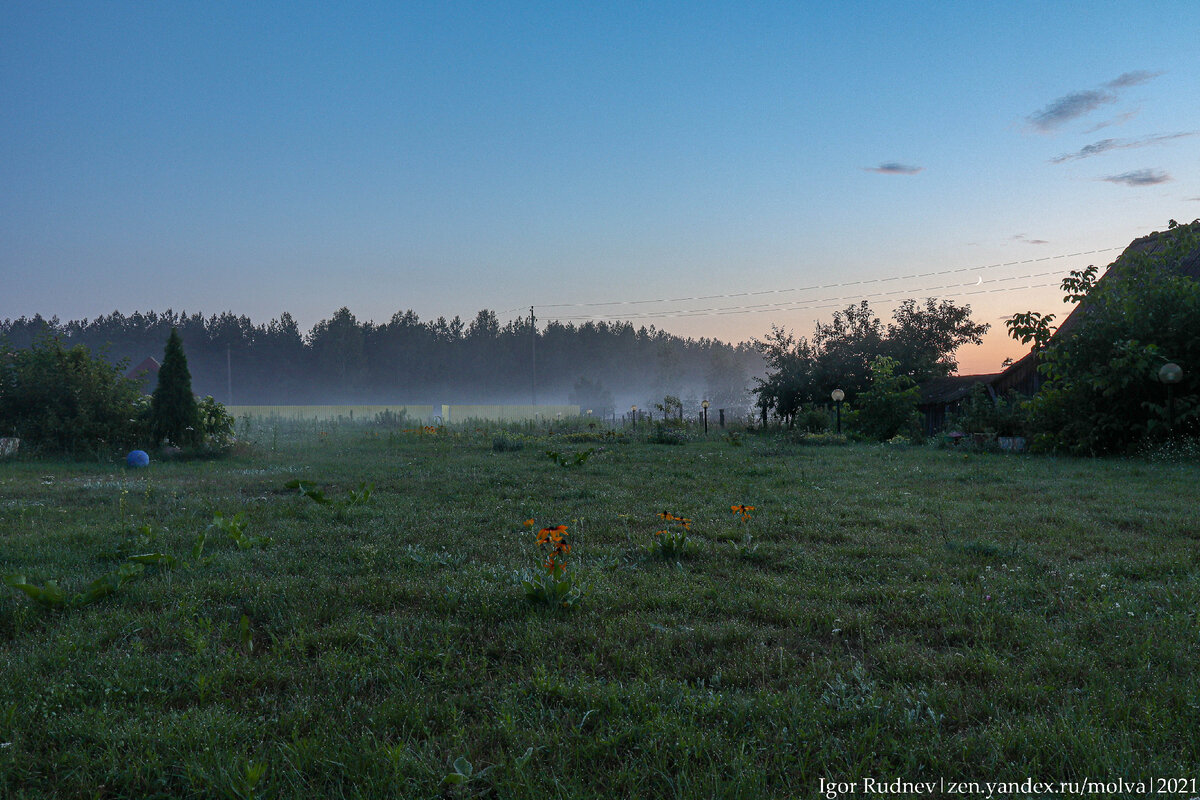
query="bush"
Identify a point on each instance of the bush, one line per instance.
(889, 406)
(666, 434)
(815, 420)
(216, 424)
(1003, 416)
(1171, 451)
(67, 401)
(503, 444)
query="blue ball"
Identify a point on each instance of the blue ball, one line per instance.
(138, 458)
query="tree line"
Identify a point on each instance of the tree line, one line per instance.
(407, 360)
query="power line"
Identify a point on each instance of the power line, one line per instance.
(826, 302)
(841, 284)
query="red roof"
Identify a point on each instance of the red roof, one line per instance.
(148, 368)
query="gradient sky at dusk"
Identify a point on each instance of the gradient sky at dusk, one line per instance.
(448, 157)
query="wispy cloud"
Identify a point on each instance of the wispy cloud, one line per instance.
(1020, 237)
(1135, 78)
(1069, 107)
(893, 168)
(1139, 177)
(1119, 119)
(1105, 145)
(1079, 104)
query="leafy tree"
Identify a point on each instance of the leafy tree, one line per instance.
(1032, 328)
(845, 348)
(789, 382)
(174, 415)
(921, 340)
(924, 339)
(1102, 393)
(889, 405)
(65, 400)
(671, 409)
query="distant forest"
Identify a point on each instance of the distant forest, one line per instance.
(600, 365)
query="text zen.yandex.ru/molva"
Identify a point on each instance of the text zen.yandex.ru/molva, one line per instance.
(942, 787)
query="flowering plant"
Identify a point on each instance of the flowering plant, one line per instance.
(744, 510)
(555, 586)
(672, 541)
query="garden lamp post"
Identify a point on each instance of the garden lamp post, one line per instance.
(704, 405)
(838, 396)
(1170, 374)
(633, 415)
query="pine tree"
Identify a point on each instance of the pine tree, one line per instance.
(174, 414)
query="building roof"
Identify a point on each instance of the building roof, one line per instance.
(148, 367)
(1022, 375)
(952, 388)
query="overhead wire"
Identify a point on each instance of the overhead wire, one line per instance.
(814, 303)
(819, 303)
(836, 284)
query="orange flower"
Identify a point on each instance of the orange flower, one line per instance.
(528, 523)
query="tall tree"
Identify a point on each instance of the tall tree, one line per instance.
(924, 339)
(174, 415)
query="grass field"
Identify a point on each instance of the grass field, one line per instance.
(886, 612)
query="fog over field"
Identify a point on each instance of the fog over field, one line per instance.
(341, 360)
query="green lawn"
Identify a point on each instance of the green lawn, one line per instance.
(896, 613)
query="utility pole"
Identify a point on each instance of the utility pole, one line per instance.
(533, 357)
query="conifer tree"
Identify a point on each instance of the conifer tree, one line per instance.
(174, 414)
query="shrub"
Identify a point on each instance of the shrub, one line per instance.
(503, 444)
(889, 406)
(1002, 416)
(216, 424)
(666, 434)
(67, 401)
(815, 420)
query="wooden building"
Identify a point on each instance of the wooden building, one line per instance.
(940, 397)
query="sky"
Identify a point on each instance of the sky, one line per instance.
(709, 168)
